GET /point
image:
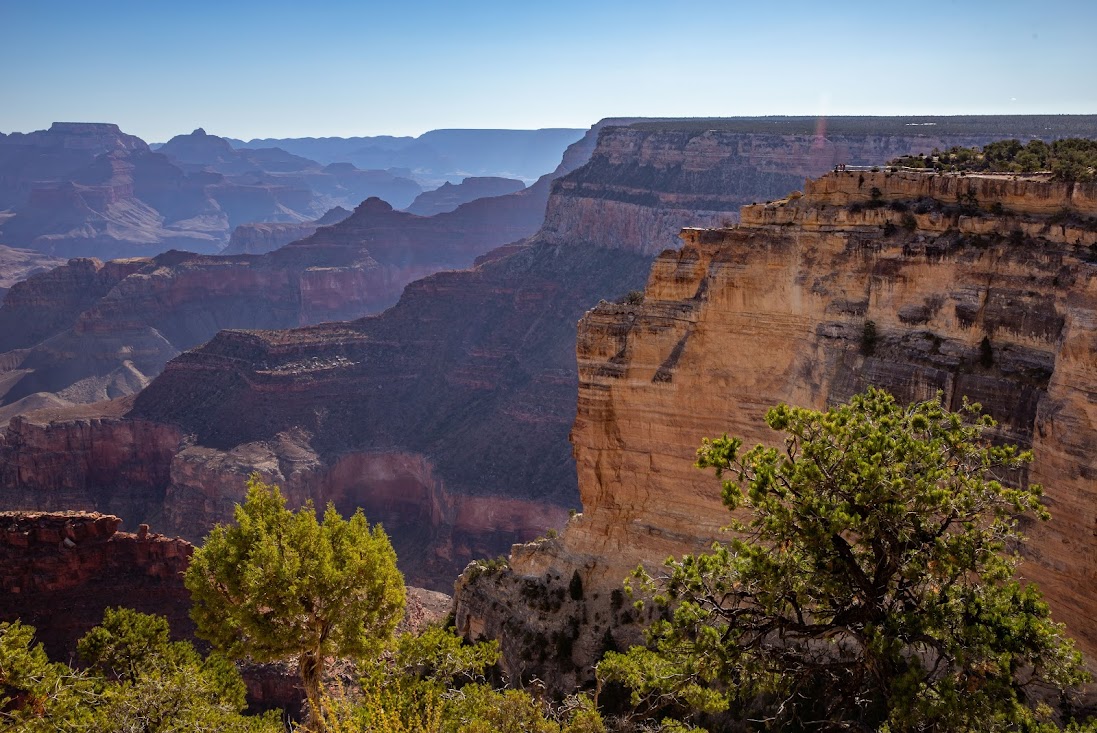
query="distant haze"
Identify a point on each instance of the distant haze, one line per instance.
(250, 69)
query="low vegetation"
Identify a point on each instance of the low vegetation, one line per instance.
(1069, 159)
(868, 585)
(133, 678)
(280, 584)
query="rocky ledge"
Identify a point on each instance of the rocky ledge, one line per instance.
(60, 571)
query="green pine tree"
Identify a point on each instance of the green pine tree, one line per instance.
(280, 584)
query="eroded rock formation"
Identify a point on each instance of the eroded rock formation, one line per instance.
(977, 286)
(59, 572)
(260, 238)
(449, 196)
(91, 331)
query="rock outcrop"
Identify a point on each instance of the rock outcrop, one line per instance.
(449, 196)
(59, 572)
(17, 265)
(978, 286)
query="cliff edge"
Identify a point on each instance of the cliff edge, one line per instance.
(982, 287)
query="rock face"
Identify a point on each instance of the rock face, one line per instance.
(994, 299)
(59, 572)
(90, 331)
(19, 264)
(337, 184)
(53, 154)
(449, 196)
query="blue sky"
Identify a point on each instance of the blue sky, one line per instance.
(288, 69)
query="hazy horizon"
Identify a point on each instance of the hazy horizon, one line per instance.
(342, 69)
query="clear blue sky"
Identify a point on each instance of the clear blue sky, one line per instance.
(287, 69)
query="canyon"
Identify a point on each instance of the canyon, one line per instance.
(91, 190)
(438, 156)
(980, 287)
(90, 331)
(447, 416)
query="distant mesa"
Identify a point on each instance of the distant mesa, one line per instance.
(438, 156)
(449, 196)
(88, 189)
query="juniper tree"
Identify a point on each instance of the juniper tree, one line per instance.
(869, 583)
(280, 584)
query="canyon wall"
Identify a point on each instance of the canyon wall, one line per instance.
(91, 331)
(978, 286)
(260, 238)
(448, 414)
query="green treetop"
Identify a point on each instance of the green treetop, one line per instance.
(280, 584)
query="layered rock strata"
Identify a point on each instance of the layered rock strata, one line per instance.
(447, 415)
(449, 196)
(59, 572)
(91, 331)
(89, 190)
(982, 287)
(257, 239)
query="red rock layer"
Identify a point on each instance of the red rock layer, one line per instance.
(59, 572)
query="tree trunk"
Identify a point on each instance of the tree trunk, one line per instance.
(310, 666)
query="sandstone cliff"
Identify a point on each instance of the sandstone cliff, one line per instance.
(980, 286)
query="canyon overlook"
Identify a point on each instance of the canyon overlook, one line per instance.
(447, 415)
(982, 287)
